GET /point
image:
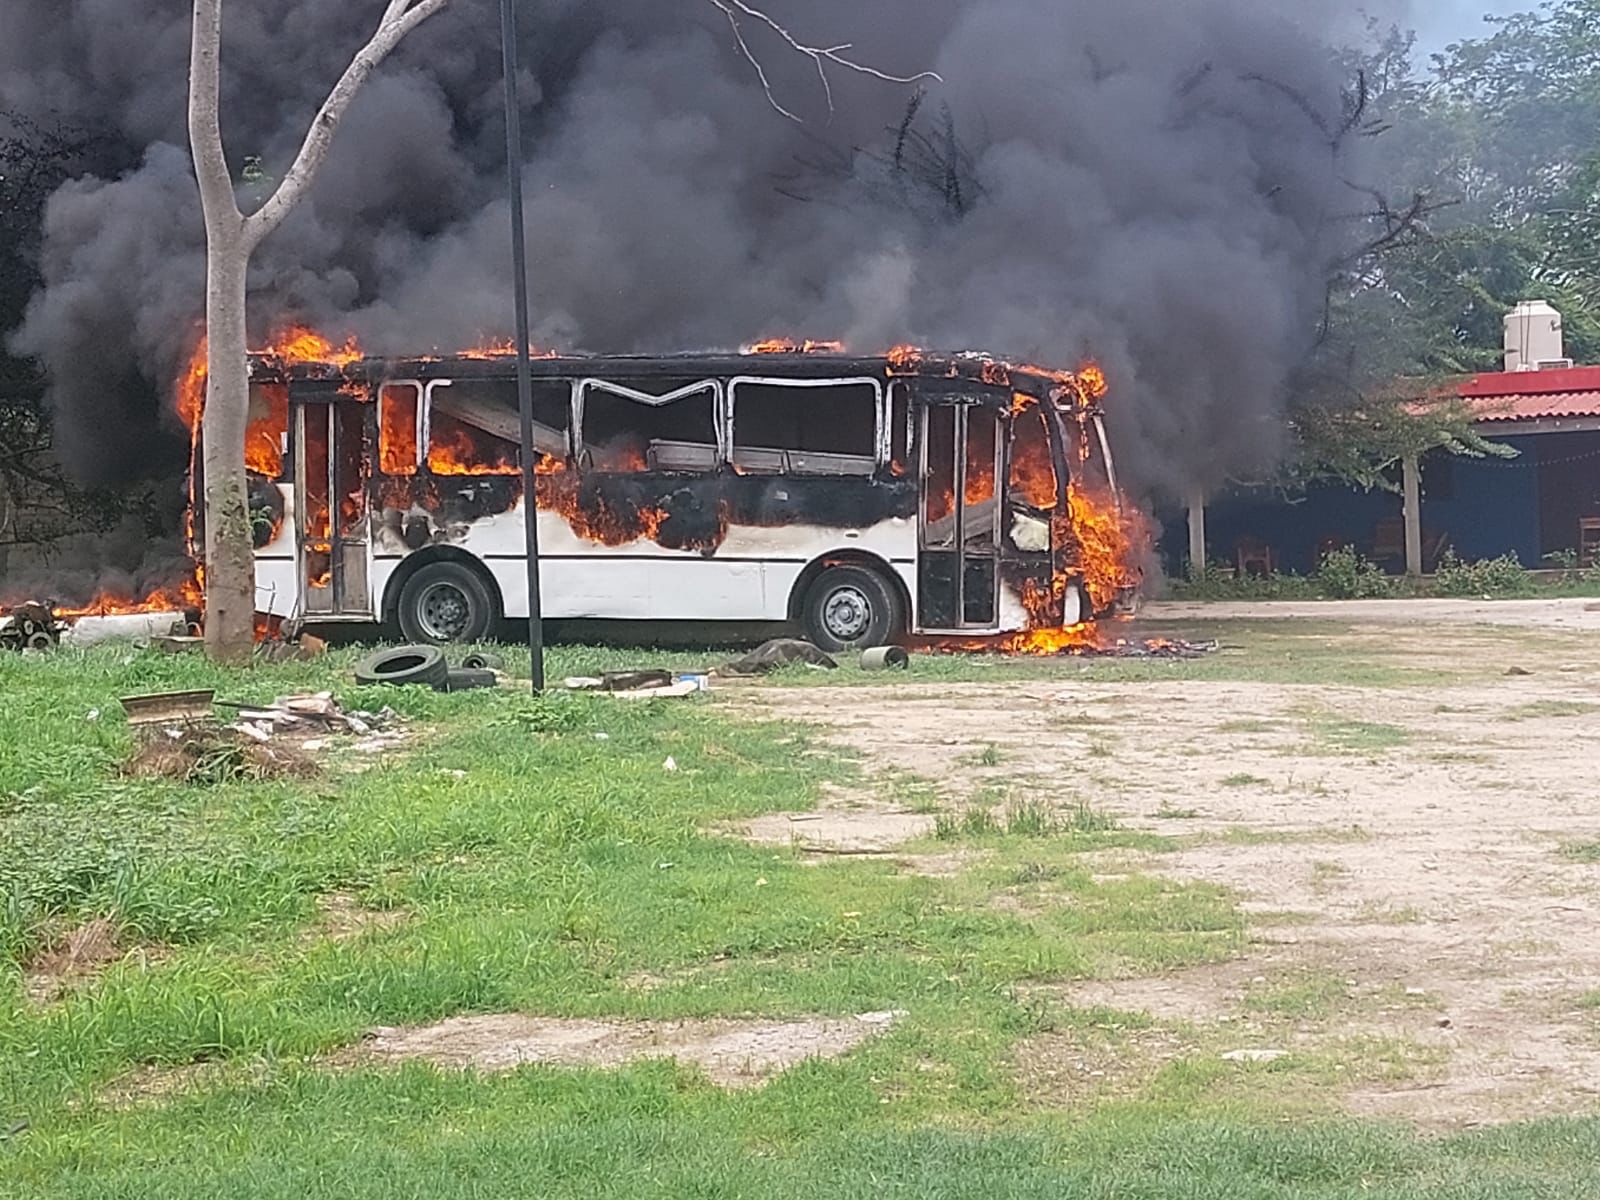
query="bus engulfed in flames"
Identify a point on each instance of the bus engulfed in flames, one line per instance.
(430, 473)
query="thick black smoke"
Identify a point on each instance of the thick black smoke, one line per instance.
(1146, 183)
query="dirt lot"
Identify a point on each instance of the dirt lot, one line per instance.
(1410, 816)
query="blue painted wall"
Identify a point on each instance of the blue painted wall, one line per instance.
(1493, 505)
(1488, 507)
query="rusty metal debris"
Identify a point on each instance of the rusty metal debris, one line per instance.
(169, 708)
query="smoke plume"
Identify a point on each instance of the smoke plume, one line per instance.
(1148, 183)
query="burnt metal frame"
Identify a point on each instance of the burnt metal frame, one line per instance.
(327, 408)
(960, 407)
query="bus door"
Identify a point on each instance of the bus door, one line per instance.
(333, 542)
(958, 577)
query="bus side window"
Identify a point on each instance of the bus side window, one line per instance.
(1033, 473)
(475, 425)
(652, 425)
(267, 436)
(902, 435)
(397, 428)
(805, 427)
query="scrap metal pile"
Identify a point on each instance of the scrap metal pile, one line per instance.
(43, 625)
(30, 626)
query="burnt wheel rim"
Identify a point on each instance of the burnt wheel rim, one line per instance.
(444, 611)
(847, 614)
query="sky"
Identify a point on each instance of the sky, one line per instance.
(1440, 22)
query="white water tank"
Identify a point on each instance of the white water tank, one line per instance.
(1533, 338)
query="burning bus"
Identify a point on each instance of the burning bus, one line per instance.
(868, 499)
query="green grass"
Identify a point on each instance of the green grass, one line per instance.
(1338, 735)
(1246, 835)
(540, 867)
(1553, 708)
(1581, 852)
(1303, 995)
(1243, 780)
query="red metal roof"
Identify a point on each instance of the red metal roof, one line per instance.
(1534, 395)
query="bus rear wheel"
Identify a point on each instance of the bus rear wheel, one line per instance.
(446, 602)
(851, 606)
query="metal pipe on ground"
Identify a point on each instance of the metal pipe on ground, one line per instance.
(885, 658)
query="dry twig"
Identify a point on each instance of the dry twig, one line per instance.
(737, 10)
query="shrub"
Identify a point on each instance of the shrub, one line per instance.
(1346, 575)
(1503, 576)
(1218, 583)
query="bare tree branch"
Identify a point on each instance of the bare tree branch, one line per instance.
(821, 56)
(399, 19)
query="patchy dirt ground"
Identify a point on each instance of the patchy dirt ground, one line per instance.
(1419, 862)
(732, 1053)
(1564, 612)
(78, 954)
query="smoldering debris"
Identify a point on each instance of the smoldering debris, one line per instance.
(1149, 183)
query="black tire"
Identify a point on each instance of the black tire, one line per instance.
(482, 660)
(447, 602)
(420, 666)
(466, 680)
(852, 606)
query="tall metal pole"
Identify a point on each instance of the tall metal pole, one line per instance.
(519, 270)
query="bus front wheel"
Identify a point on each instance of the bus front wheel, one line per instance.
(851, 606)
(446, 602)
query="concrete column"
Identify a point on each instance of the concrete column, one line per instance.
(1412, 479)
(1197, 534)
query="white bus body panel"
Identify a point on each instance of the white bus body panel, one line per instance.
(277, 575)
(751, 577)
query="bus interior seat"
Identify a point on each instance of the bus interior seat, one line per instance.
(759, 460)
(663, 455)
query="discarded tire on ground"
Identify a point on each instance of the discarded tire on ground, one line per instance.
(466, 680)
(483, 661)
(885, 658)
(412, 666)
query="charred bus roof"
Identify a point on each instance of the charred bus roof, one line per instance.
(964, 369)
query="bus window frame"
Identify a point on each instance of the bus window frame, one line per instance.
(880, 419)
(580, 399)
(421, 423)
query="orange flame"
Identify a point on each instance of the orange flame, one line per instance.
(456, 448)
(794, 346)
(299, 344)
(503, 348)
(181, 598)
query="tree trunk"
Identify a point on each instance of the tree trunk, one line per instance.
(230, 563)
